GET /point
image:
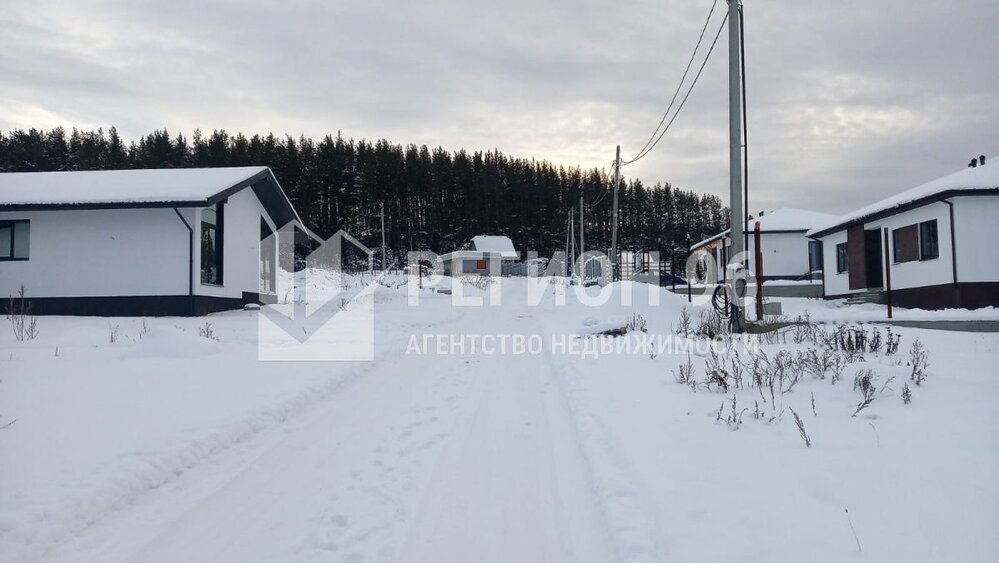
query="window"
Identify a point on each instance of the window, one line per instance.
(905, 244)
(928, 244)
(480, 264)
(814, 256)
(212, 223)
(268, 254)
(14, 239)
(841, 258)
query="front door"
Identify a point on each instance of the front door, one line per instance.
(873, 259)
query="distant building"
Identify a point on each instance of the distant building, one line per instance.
(787, 252)
(141, 242)
(943, 244)
(489, 255)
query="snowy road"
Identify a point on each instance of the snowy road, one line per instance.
(416, 458)
(169, 447)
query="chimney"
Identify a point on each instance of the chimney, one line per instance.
(981, 160)
(973, 163)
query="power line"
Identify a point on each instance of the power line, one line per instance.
(682, 80)
(685, 97)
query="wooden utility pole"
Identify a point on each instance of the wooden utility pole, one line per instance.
(615, 263)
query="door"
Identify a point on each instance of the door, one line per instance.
(873, 258)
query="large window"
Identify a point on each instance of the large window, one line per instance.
(212, 223)
(928, 244)
(841, 258)
(268, 255)
(14, 239)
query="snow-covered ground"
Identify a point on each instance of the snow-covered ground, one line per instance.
(167, 445)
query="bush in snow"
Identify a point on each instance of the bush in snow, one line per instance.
(637, 324)
(918, 359)
(685, 327)
(686, 373)
(207, 331)
(864, 381)
(801, 429)
(906, 394)
(24, 325)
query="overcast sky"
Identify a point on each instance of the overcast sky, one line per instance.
(849, 101)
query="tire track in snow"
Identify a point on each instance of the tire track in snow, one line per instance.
(622, 499)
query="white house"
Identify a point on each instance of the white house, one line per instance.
(489, 255)
(786, 250)
(942, 244)
(141, 242)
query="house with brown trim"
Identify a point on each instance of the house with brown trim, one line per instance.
(935, 246)
(489, 255)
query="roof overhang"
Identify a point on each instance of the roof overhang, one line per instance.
(265, 186)
(916, 203)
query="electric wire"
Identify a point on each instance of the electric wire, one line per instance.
(683, 79)
(685, 97)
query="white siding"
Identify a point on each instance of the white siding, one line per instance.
(107, 252)
(920, 273)
(835, 283)
(976, 223)
(784, 254)
(133, 252)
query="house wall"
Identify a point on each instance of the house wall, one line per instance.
(918, 273)
(105, 252)
(132, 255)
(241, 248)
(785, 255)
(976, 224)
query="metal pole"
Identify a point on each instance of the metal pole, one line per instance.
(383, 237)
(615, 263)
(887, 274)
(738, 215)
(582, 242)
(758, 258)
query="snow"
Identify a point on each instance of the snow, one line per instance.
(982, 177)
(495, 243)
(168, 446)
(783, 219)
(120, 186)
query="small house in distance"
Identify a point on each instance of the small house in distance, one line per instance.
(942, 249)
(490, 255)
(141, 242)
(787, 252)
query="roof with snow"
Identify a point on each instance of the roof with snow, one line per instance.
(783, 220)
(981, 179)
(174, 187)
(500, 244)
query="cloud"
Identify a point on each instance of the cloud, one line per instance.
(848, 101)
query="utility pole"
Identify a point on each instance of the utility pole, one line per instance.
(572, 238)
(615, 263)
(738, 215)
(568, 241)
(383, 236)
(582, 241)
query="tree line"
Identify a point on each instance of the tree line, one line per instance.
(434, 199)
